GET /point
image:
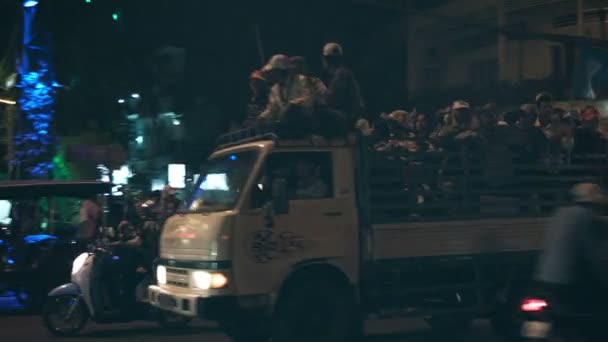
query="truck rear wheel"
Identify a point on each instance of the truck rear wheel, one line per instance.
(313, 309)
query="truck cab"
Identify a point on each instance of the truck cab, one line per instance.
(260, 214)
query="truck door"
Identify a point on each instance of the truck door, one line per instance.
(315, 225)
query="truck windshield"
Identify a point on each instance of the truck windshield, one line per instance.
(222, 182)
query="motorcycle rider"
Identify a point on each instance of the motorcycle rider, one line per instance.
(133, 268)
(573, 263)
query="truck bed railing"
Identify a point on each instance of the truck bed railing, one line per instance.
(439, 185)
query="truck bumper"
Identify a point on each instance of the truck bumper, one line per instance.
(214, 308)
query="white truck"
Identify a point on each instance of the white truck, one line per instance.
(305, 240)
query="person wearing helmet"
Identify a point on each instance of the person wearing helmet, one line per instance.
(343, 95)
(290, 97)
(572, 265)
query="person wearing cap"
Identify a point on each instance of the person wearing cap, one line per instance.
(290, 96)
(343, 95)
(459, 133)
(572, 265)
(587, 138)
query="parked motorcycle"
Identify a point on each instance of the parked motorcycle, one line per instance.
(106, 287)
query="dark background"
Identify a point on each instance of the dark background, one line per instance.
(99, 60)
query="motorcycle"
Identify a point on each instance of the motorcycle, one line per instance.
(537, 321)
(106, 288)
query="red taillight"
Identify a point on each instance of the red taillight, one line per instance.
(533, 305)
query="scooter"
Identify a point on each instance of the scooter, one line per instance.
(103, 289)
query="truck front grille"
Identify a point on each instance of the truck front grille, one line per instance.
(178, 277)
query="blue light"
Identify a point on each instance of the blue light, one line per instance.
(33, 143)
(115, 257)
(233, 157)
(11, 261)
(38, 238)
(30, 3)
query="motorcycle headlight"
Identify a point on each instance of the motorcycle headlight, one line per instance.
(205, 280)
(161, 275)
(79, 262)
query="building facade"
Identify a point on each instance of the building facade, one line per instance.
(482, 49)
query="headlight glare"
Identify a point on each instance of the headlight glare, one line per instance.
(204, 280)
(161, 275)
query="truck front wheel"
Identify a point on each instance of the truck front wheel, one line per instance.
(312, 309)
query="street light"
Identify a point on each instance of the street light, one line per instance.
(30, 3)
(121, 101)
(135, 95)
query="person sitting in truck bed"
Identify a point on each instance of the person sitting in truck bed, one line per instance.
(309, 183)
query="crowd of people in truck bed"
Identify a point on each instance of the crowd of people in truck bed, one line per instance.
(497, 142)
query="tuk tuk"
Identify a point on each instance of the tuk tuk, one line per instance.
(39, 222)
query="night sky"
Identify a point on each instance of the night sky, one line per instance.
(101, 60)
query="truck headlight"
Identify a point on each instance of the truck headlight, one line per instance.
(204, 280)
(79, 262)
(161, 275)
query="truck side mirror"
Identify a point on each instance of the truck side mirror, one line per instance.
(280, 199)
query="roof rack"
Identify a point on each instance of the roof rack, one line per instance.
(247, 135)
(281, 136)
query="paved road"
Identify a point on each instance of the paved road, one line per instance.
(15, 327)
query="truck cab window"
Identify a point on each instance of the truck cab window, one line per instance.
(309, 176)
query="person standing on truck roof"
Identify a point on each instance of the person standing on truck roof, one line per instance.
(343, 95)
(290, 100)
(573, 264)
(299, 67)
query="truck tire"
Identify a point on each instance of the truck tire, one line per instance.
(314, 309)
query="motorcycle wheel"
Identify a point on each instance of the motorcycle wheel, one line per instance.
(172, 321)
(65, 315)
